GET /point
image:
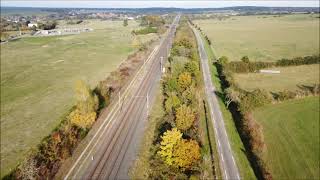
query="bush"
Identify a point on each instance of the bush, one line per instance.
(251, 100)
(171, 103)
(185, 43)
(47, 25)
(81, 119)
(146, 30)
(192, 67)
(245, 59)
(285, 95)
(184, 117)
(171, 85)
(223, 60)
(184, 80)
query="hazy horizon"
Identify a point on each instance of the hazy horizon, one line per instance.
(155, 4)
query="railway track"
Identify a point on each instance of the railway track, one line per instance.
(111, 151)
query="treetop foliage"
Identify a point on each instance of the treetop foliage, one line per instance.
(87, 104)
(169, 139)
(152, 21)
(186, 153)
(184, 80)
(184, 117)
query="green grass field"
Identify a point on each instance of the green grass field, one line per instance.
(264, 38)
(291, 131)
(38, 76)
(288, 79)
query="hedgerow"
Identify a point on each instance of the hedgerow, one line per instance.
(246, 66)
(177, 146)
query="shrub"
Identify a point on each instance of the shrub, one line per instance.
(184, 80)
(171, 85)
(125, 22)
(254, 99)
(185, 43)
(146, 30)
(169, 139)
(192, 67)
(254, 131)
(184, 117)
(285, 95)
(81, 119)
(188, 96)
(171, 103)
(245, 59)
(223, 60)
(186, 153)
(47, 25)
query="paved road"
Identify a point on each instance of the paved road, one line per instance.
(227, 163)
(112, 145)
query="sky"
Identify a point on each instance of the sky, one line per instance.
(155, 3)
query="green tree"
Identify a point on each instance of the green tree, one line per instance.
(171, 85)
(223, 60)
(245, 59)
(125, 22)
(184, 117)
(171, 103)
(192, 67)
(169, 139)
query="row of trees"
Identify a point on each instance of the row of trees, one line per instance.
(242, 103)
(177, 149)
(246, 66)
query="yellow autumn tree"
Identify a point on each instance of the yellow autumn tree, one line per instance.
(169, 139)
(87, 104)
(184, 117)
(186, 153)
(184, 80)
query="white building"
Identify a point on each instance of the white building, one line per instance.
(269, 71)
(30, 25)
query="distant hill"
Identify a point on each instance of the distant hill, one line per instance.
(239, 9)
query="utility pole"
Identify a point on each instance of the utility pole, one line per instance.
(147, 103)
(119, 100)
(161, 58)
